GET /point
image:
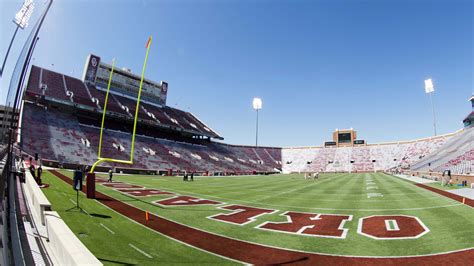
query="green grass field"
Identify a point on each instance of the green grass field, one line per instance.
(450, 223)
(114, 248)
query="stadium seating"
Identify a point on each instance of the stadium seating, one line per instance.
(62, 138)
(55, 84)
(34, 81)
(69, 89)
(457, 155)
(374, 157)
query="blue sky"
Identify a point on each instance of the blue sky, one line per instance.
(317, 65)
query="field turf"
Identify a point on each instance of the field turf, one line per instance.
(109, 235)
(451, 224)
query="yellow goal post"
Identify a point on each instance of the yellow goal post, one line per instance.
(101, 159)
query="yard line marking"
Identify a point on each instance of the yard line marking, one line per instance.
(422, 191)
(373, 195)
(297, 188)
(306, 208)
(141, 251)
(243, 189)
(108, 229)
(73, 202)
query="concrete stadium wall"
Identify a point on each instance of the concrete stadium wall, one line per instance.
(67, 248)
(437, 176)
(39, 201)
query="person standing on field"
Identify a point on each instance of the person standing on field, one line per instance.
(316, 175)
(110, 175)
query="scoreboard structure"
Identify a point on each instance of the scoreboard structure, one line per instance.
(344, 138)
(124, 82)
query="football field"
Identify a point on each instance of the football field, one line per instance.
(361, 215)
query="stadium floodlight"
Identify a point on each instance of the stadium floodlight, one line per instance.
(429, 89)
(21, 21)
(257, 105)
(23, 16)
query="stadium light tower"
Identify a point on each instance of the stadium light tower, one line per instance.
(257, 105)
(429, 89)
(21, 21)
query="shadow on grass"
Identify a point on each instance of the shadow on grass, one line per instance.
(103, 216)
(302, 259)
(115, 261)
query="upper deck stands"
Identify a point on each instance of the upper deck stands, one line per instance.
(75, 91)
(54, 85)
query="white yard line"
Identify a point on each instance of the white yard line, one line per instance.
(315, 182)
(141, 251)
(108, 229)
(306, 208)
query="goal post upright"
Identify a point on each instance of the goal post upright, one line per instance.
(100, 159)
